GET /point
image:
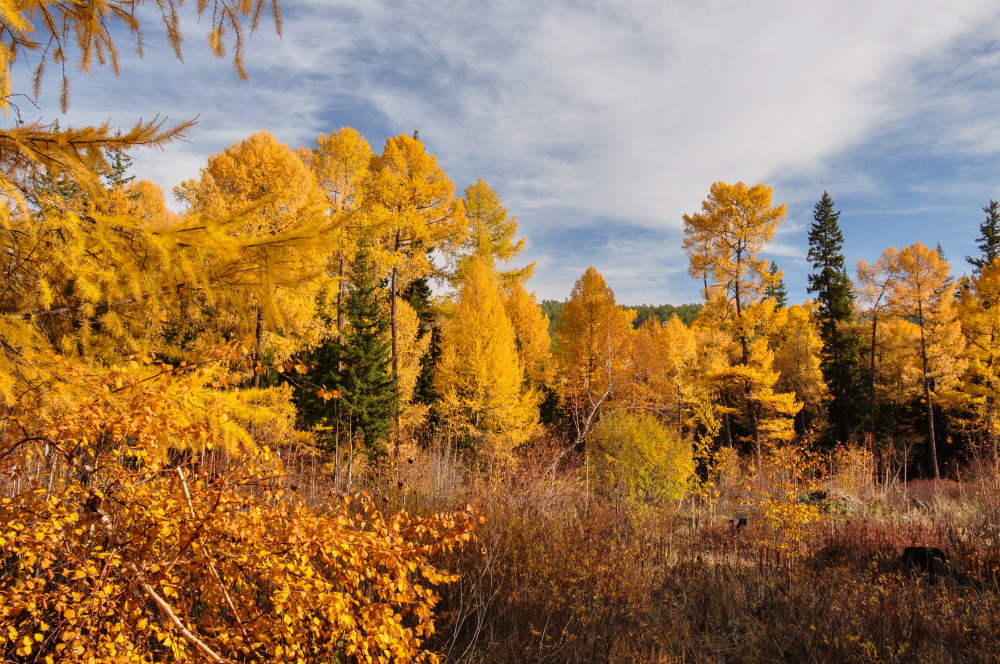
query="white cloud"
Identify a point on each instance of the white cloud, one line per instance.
(634, 109)
(578, 111)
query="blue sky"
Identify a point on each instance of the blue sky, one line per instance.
(601, 123)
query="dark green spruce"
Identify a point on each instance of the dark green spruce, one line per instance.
(839, 362)
(360, 367)
(989, 238)
(775, 290)
(419, 295)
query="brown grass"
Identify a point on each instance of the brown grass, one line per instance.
(567, 576)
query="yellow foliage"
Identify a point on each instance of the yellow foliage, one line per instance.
(979, 313)
(743, 374)
(796, 344)
(595, 352)
(413, 345)
(49, 31)
(276, 216)
(787, 475)
(634, 456)
(479, 378)
(490, 236)
(669, 352)
(119, 555)
(410, 206)
(531, 336)
(723, 241)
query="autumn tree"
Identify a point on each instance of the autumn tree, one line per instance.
(988, 240)
(924, 294)
(840, 356)
(411, 206)
(875, 282)
(491, 235)
(724, 239)
(595, 354)
(797, 347)
(482, 396)
(669, 352)
(979, 312)
(723, 242)
(413, 347)
(278, 218)
(340, 162)
(531, 336)
(61, 254)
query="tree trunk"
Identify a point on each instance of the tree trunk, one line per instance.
(928, 396)
(871, 402)
(340, 313)
(258, 347)
(725, 422)
(395, 348)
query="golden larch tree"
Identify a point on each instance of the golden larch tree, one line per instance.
(595, 353)
(340, 163)
(491, 236)
(669, 350)
(274, 210)
(795, 341)
(925, 294)
(723, 242)
(874, 283)
(410, 204)
(979, 313)
(479, 378)
(531, 336)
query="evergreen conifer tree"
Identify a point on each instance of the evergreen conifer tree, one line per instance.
(989, 238)
(366, 383)
(364, 357)
(420, 297)
(839, 359)
(775, 289)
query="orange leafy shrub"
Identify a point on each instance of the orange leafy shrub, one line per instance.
(113, 552)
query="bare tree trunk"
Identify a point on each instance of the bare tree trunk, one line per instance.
(871, 402)
(259, 346)
(395, 350)
(350, 452)
(928, 397)
(340, 313)
(725, 422)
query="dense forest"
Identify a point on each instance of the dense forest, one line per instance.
(318, 415)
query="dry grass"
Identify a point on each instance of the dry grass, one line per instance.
(566, 576)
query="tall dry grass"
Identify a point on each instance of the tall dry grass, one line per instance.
(564, 575)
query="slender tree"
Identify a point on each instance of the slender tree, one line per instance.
(491, 237)
(411, 206)
(483, 399)
(924, 294)
(595, 354)
(723, 242)
(875, 282)
(989, 238)
(840, 358)
(367, 382)
(775, 289)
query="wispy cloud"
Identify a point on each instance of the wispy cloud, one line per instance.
(595, 114)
